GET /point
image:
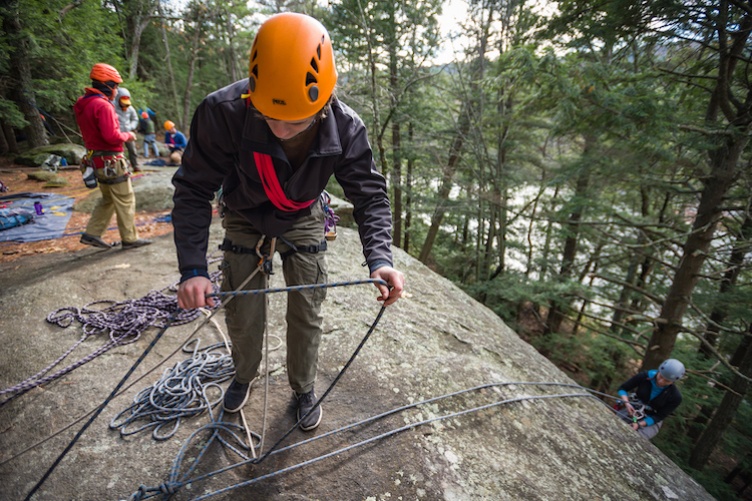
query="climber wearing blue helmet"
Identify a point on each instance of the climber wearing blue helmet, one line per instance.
(656, 391)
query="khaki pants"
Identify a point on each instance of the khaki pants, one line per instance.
(246, 315)
(118, 199)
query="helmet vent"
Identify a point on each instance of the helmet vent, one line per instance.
(314, 65)
(254, 70)
(310, 79)
(318, 48)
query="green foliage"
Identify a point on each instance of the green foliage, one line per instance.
(10, 113)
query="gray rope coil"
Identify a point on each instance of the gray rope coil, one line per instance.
(181, 392)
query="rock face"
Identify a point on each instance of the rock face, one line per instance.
(73, 153)
(433, 342)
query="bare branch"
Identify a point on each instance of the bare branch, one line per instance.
(68, 8)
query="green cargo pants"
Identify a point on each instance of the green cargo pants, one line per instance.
(246, 315)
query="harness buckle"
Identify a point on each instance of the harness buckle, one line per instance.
(265, 262)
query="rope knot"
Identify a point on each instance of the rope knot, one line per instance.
(139, 494)
(168, 488)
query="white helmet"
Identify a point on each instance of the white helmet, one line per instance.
(671, 369)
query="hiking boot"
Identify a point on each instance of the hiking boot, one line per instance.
(138, 243)
(94, 241)
(236, 396)
(305, 404)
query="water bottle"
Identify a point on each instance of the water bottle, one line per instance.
(38, 208)
(90, 180)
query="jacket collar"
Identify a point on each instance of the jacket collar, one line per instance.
(326, 144)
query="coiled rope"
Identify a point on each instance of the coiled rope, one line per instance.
(122, 322)
(180, 393)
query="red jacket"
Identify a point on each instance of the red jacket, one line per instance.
(98, 122)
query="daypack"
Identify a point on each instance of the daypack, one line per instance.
(10, 218)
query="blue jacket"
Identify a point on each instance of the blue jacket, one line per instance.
(662, 405)
(175, 141)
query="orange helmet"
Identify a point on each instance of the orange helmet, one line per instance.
(105, 73)
(169, 125)
(291, 71)
(144, 114)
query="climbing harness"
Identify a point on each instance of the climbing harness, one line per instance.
(640, 409)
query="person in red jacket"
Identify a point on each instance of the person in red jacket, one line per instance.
(103, 140)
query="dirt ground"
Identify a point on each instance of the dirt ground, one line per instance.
(15, 177)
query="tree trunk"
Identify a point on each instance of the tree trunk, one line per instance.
(4, 147)
(20, 71)
(408, 190)
(724, 169)
(446, 186)
(467, 112)
(396, 174)
(232, 62)
(728, 282)
(195, 44)
(724, 414)
(556, 314)
(723, 162)
(140, 25)
(170, 72)
(10, 137)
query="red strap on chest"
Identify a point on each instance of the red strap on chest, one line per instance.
(273, 189)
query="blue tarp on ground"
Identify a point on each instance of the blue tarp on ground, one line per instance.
(57, 212)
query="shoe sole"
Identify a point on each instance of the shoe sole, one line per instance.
(242, 404)
(126, 246)
(95, 244)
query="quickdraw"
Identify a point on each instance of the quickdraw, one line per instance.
(640, 409)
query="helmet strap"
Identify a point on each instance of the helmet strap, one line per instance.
(106, 88)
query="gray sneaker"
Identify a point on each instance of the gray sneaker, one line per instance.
(236, 396)
(305, 404)
(137, 243)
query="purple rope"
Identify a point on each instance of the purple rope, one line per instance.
(123, 322)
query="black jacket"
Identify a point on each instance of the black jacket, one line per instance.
(662, 405)
(226, 131)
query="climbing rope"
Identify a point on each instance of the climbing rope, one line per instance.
(99, 410)
(298, 288)
(172, 485)
(172, 319)
(122, 322)
(180, 393)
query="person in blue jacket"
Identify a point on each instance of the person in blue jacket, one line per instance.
(656, 391)
(175, 141)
